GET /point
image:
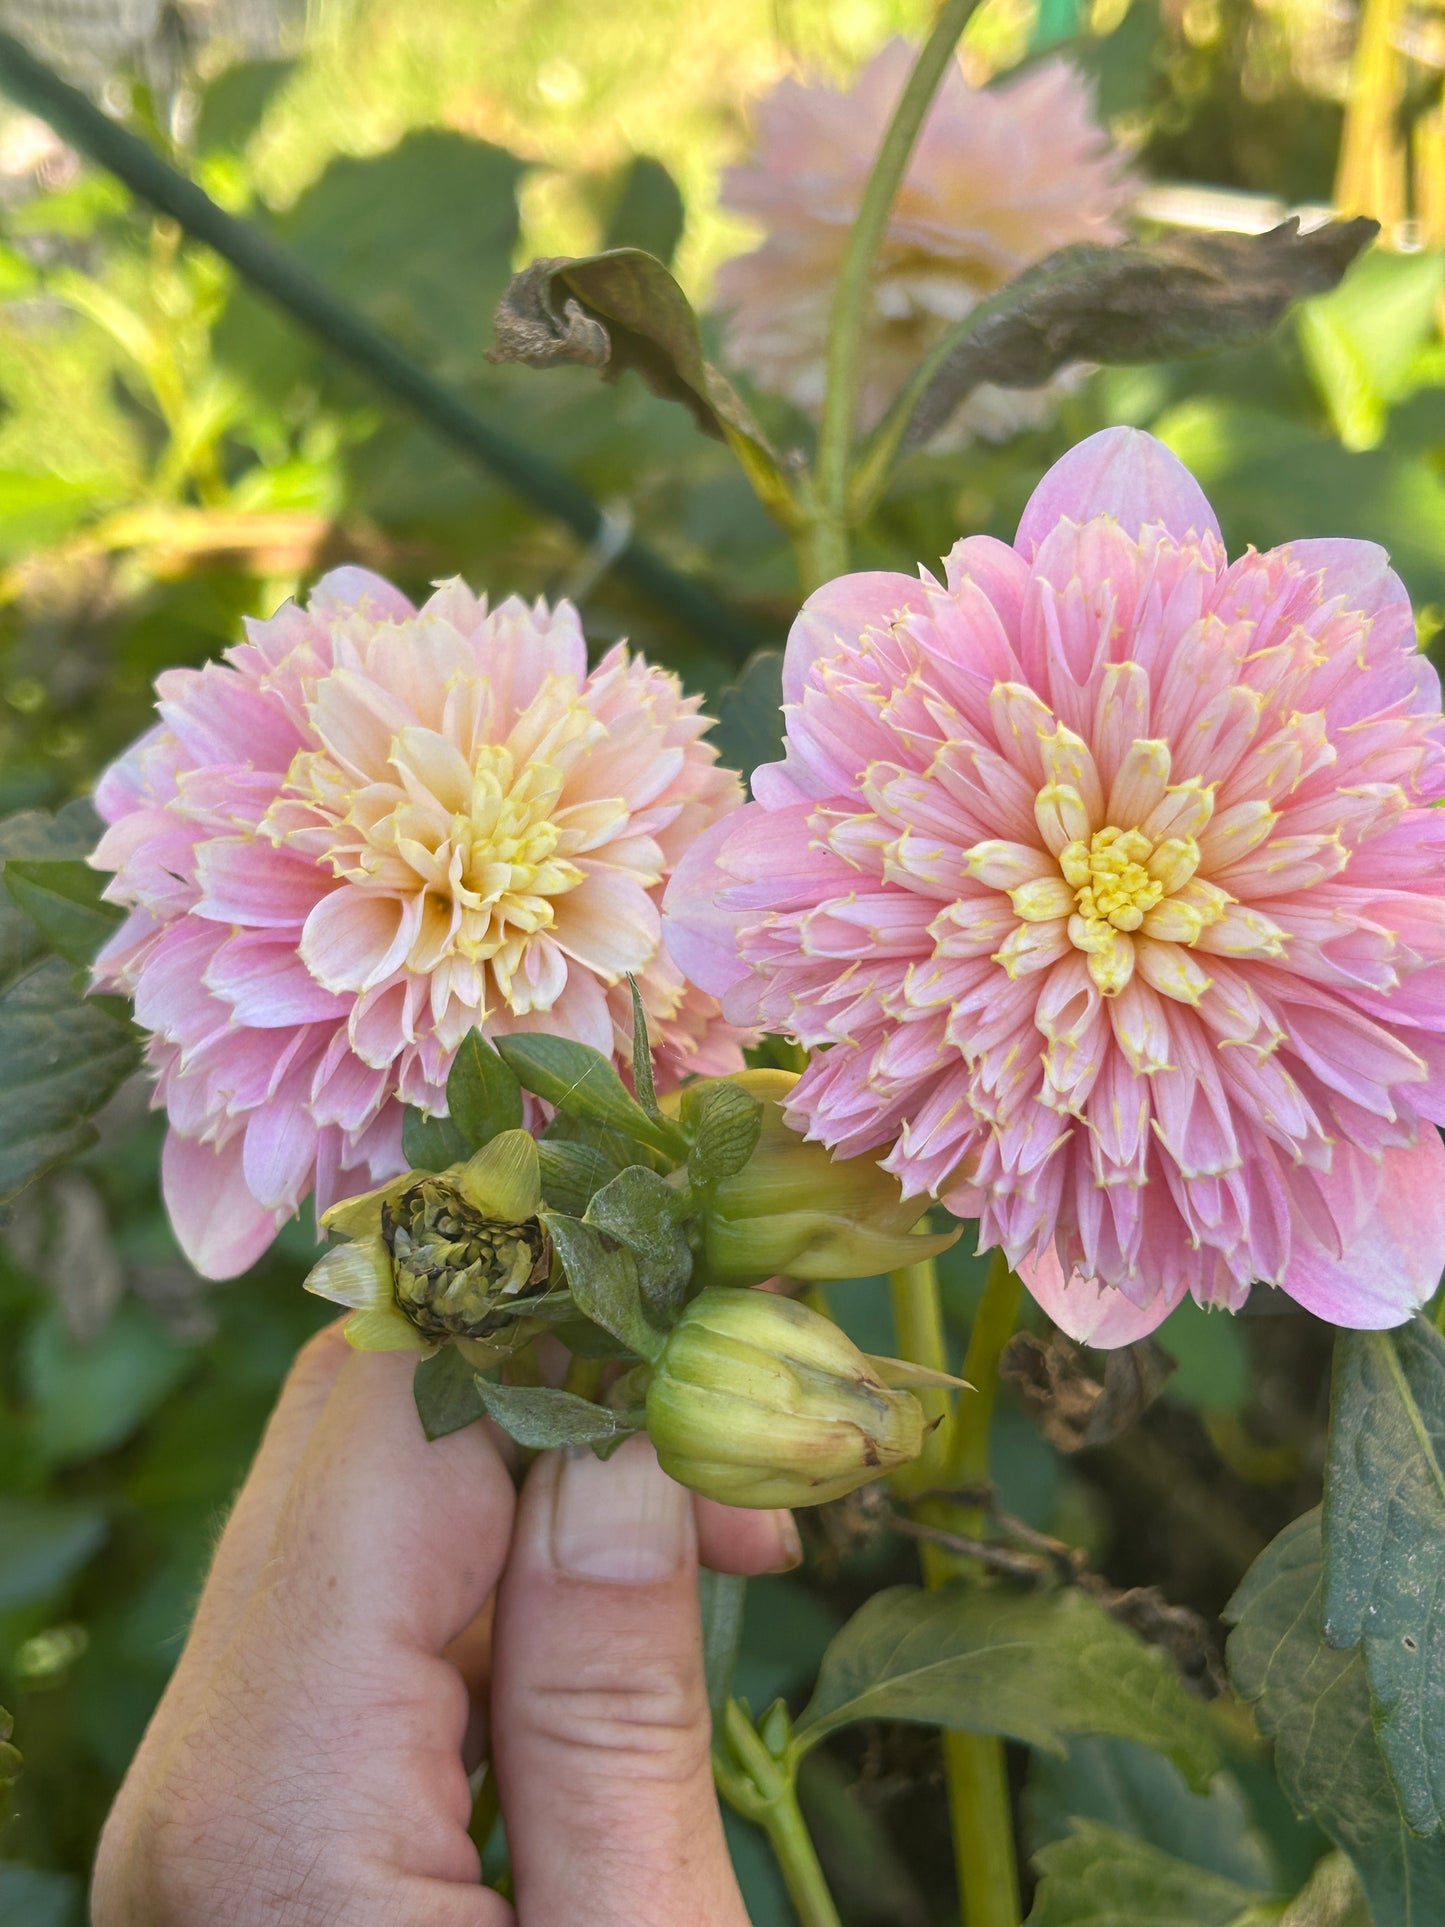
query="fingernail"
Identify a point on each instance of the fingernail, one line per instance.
(621, 1519)
(790, 1546)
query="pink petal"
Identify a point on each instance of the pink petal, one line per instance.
(700, 935)
(218, 1224)
(840, 611)
(1092, 1313)
(1393, 1258)
(1120, 472)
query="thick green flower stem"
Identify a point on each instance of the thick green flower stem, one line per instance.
(980, 1814)
(762, 1787)
(918, 1334)
(824, 547)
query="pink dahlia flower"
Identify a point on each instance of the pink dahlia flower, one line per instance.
(374, 829)
(1000, 177)
(1103, 880)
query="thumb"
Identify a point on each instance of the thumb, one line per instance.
(599, 1710)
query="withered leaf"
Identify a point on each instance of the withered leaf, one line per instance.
(623, 310)
(1073, 1409)
(1183, 294)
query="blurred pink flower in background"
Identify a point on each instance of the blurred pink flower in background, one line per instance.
(373, 829)
(1103, 880)
(1000, 177)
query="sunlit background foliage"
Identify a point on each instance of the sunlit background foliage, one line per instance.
(173, 455)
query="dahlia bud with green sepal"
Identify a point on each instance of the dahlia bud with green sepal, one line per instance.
(758, 1401)
(437, 1255)
(791, 1207)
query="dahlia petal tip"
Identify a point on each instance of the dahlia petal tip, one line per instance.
(1124, 473)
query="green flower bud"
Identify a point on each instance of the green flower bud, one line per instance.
(758, 1401)
(794, 1209)
(438, 1255)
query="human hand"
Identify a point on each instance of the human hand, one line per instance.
(307, 1763)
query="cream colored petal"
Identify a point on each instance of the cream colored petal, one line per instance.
(504, 1179)
(358, 1275)
(357, 1217)
(384, 1329)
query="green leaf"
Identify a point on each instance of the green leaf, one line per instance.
(726, 1122)
(1122, 1784)
(623, 310)
(538, 1417)
(1185, 294)
(42, 1544)
(580, 1082)
(722, 1595)
(49, 881)
(445, 1390)
(749, 727)
(1314, 1702)
(91, 1397)
(62, 1057)
(603, 1282)
(432, 1143)
(483, 1097)
(1100, 1877)
(1035, 1666)
(1384, 1540)
(235, 104)
(648, 213)
(571, 1173)
(643, 1212)
(642, 1055)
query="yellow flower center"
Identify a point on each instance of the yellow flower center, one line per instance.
(506, 840)
(1114, 891)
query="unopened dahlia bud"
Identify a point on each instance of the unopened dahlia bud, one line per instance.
(758, 1401)
(796, 1209)
(438, 1255)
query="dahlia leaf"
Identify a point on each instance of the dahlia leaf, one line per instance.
(1186, 294)
(579, 1081)
(445, 1390)
(1100, 1877)
(9, 1763)
(623, 310)
(1384, 1538)
(538, 1417)
(727, 1122)
(432, 1143)
(1130, 1787)
(649, 211)
(1314, 1702)
(62, 1056)
(483, 1097)
(643, 1211)
(45, 1544)
(642, 1081)
(48, 880)
(1036, 1667)
(571, 1173)
(604, 1283)
(749, 726)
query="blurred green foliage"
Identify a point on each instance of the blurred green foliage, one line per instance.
(174, 456)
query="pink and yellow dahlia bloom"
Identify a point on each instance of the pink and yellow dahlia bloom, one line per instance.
(1105, 881)
(1000, 177)
(371, 830)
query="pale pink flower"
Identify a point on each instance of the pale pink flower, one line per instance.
(374, 829)
(1103, 880)
(1000, 177)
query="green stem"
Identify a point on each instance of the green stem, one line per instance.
(993, 1326)
(919, 1335)
(827, 549)
(763, 1789)
(283, 280)
(980, 1812)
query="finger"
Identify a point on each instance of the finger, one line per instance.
(245, 1542)
(731, 1539)
(601, 1728)
(387, 1539)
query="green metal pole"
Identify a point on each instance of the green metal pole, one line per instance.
(276, 274)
